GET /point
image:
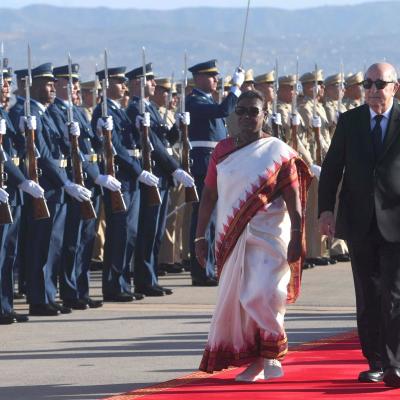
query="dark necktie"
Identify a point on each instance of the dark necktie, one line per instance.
(377, 135)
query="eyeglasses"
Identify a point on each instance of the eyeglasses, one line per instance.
(379, 83)
(250, 111)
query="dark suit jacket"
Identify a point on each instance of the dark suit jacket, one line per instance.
(369, 185)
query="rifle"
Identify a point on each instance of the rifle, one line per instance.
(5, 212)
(316, 130)
(117, 201)
(275, 127)
(40, 209)
(167, 101)
(221, 90)
(152, 193)
(95, 89)
(293, 128)
(87, 210)
(191, 195)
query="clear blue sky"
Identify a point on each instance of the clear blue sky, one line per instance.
(168, 4)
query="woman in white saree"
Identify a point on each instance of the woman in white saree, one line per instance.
(260, 184)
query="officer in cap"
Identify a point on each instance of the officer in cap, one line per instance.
(207, 128)
(354, 92)
(45, 237)
(16, 182)
(152, 219)
(121, 228)
(18, 106)
(79, 234)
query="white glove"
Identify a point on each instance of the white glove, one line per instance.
(277, 119)
(148, 178)
(238, 77)
(78, 192)
(183, 177)
(3, 196)
(32, 188)
(3, 126)
(106, 124)
(316, 170)
(295, 119)
(183, 118)
(316, 122)
(29, 122)
(74, 129)
(109, 182)
(142, 120)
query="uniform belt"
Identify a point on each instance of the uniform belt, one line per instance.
(203, 143)
(91, 158)
(62, 162)
(169, 151)
(134, 153)
(15, 160)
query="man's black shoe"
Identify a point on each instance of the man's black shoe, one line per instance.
(43, 310)
(18, 317)
(167, 291)
(391, 377)
(62, 309)
(19, 296)
(372, 375)
(341, 257)
(317, 261)
(161, 272)
(138, 296)
(307, 265)
(93, 303)
(204, 282)
(118, 298)
(173, 268)
(151, 291)
(6, 319)
(76, 304)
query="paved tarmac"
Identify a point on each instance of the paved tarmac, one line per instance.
(93, 354)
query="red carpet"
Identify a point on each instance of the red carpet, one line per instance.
(326, 369)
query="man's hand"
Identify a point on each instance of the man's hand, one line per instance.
(3, 196)
(28, 122)
(106, 124)
(183, 177)
(326, 224)
(78, 192)
(3, 126)
(148, 178)
(74, 129)
(109, 182)
(238, 77)
(32, 188)
(142, 120)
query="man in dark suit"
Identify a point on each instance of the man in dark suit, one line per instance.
(365, 151)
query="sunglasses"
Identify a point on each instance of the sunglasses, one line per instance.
(379, 83)
(250, 111)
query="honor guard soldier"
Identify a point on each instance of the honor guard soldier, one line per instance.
(207, 128)
(152, 218)
(89, 92)
(45, 236)
(334, 91)
(80, 230)
(17, 109)
(265, 84)
(121, 227)
(11, 199)
(286, 93)
(316, 123)
(354, 92)
(169, 258)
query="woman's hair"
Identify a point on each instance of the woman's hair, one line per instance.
(252, 94)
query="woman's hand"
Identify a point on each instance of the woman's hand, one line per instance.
(201, 250)
(294, 247)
